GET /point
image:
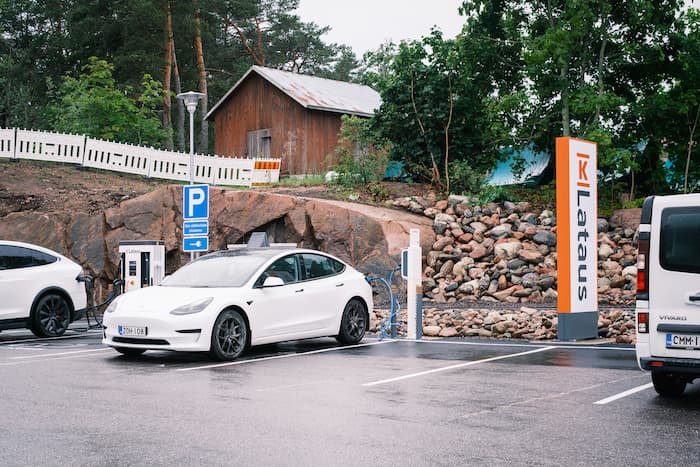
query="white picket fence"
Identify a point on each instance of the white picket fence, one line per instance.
(139, 160)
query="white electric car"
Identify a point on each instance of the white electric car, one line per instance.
(226, 301)
(668, 292)
(39, 289)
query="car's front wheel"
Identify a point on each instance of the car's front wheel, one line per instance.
(228, 336)
(667, 385)
(353, 324)
(51, 316)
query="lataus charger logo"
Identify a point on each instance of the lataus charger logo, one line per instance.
(583, 194)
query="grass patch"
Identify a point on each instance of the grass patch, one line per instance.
(301, 181)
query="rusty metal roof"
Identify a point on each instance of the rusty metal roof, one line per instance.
(315, 93)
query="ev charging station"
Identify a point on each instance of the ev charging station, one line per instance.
(142, 263)
(411, 270)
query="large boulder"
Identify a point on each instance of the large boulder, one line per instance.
(370, 238)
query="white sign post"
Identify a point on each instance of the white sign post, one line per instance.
(577, 234)
(414, 286)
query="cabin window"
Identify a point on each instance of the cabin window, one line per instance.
(259, 143)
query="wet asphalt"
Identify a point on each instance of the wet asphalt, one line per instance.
(73, 401)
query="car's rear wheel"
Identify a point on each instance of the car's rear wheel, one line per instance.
(667, 385)
(51, 316)
(228, 336)
(354, 323)
(129, 352)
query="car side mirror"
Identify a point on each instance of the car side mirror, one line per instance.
(273, 282)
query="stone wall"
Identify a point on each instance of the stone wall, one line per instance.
(506, 252)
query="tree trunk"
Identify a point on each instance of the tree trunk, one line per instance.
(601, 69)
(180, 131)
(691, 142)
(565, 113)
(447, 138)
(563, 76)
(167, 102)
(203, 146)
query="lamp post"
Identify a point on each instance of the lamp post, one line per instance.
(191, 100)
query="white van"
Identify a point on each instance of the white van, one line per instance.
(668, 292)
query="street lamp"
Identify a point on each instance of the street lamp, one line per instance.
(191, 99)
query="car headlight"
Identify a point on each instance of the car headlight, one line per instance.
(194, 307)
(112, 306)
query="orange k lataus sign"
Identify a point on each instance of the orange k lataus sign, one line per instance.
(577, 225)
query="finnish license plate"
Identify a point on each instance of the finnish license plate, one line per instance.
(133, 331)
(682, 341)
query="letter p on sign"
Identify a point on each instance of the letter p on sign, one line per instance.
(195, 202)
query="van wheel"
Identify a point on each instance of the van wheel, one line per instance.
(667, 385)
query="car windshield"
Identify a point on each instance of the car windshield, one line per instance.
(216, 271)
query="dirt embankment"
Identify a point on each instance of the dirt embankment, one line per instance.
(47, 186)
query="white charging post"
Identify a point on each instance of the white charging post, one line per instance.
(414, 289)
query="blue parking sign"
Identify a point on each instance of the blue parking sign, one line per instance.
(190, 244)
(195, 202)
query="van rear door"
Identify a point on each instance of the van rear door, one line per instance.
(674, 277)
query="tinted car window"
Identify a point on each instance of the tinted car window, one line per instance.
(16, 257)
(316, 266)
(679, 240)
(286, 268)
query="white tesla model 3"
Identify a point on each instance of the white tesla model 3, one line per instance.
(229, 300)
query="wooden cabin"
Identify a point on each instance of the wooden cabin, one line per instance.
(275, 113)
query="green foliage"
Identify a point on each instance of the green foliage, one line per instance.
(493, 194)
(634, 203)
(41, 42)
(363, 156)
(378, 192)
(464, 178)
(302, 181)
(94, 106)
(435, 95)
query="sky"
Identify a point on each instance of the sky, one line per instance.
(365, 24)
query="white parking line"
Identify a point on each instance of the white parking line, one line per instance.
(40, 359)
(459, 365)
(289, 355)
(559, 345)
(49, 339)
(629, 392)
(58, 354)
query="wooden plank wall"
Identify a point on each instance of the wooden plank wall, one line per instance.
(302, 138)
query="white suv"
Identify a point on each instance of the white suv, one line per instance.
(39, 289)
(668, 292)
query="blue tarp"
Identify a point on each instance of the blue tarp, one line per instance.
(535, 164)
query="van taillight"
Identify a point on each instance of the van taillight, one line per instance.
(642, 268)
(643, 322)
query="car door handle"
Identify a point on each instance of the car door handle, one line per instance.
(340, 285)
(300, 290)
(694, 298)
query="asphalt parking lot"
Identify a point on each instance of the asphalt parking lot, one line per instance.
(71, 401)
